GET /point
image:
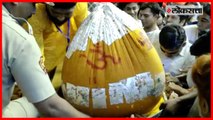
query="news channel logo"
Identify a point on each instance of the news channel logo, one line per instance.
(184, 10)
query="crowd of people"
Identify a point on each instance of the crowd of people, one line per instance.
(36, 37)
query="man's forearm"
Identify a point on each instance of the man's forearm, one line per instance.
(188, 97)
(55, 106)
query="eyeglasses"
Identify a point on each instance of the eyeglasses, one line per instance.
(169, 52)
(172, 52)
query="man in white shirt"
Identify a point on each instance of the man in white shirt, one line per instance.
(193, 32)
(149, 15)
(173, 49)
(132, 9)
(23, 64)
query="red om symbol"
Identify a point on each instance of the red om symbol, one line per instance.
(102, 56)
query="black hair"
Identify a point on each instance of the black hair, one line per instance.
(155, 7)
(202, 45)
(122, 5)
(163, 14)
(172, 37)
(194, 3)
(160, 4)
(206, 9)
(183, 17)
(64, 5)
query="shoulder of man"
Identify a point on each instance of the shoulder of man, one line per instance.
(12, 28)
(190, 28)
(185, 49)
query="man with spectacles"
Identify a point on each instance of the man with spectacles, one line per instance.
(174, 52)
(173, 49)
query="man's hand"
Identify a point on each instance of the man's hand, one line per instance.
(171, 108)
(178, 89)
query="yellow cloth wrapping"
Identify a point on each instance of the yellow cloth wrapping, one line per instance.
(51, 42)
(101, 64)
